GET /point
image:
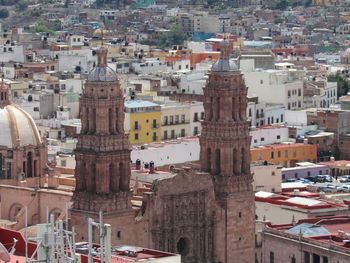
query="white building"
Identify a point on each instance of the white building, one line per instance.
(76, 40)
(71, 85)
(80, 61)
(192, 82)
(261, 114)
(12, 52)
(196, 114)
(268, 135)
(149, 66)
(267, 177)
(276, 86)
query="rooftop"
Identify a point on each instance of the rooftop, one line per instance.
(139, 104)
(321, 230)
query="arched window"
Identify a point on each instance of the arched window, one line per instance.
(244, 161)
(29, 164)
(209, 160)
(235, 161)
(217, 161)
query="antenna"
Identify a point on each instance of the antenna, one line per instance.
(4, 254)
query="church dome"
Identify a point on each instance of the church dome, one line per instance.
(17, 127)
(102, 72)
(224, 65)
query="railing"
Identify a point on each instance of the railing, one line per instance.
(155, 126)
(175, 123)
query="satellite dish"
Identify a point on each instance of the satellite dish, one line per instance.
(4, 254)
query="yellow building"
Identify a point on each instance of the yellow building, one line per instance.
(142, 121)
(175, 120)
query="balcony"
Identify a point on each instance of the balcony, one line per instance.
(175, 123)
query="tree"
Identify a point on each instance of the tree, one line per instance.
(40, 27)
(176, 36)
(4, 13)
(22, 5)
(342, 84)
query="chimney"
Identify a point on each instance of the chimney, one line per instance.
(151, 167)
(138, 164)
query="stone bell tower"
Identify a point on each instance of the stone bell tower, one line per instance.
(225, 154)
(103, 153)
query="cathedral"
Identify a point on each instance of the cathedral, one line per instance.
(206, 214)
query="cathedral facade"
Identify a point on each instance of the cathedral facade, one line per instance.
(206, 215)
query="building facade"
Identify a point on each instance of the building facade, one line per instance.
(206, 216)
(142, 121)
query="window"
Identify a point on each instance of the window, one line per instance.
(154, 137)
(286, 153)
(202, 115)
(255, 141)
(299, 92)
(177, 119)
(259, 156)
(183, 133)
(281, 117)
(165, 137)
(306, 257)
(288, 105)
(166, 120)
(278, 137)
(136, 125)
(172, 134)
(250, 112)
(262, 139)
(195, 131)
(279, 154)
(294, 153)
(183, 118)
(171, 119)
(63, 163)
(272, 155)
(136, 136)
(154, 125)
(293, 260)
(261, 81)
(296, 175)
(272, 257)
(195, 116)
(325, 259)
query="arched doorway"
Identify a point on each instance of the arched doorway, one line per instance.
(183, 246)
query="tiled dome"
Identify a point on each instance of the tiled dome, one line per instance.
(102, 73)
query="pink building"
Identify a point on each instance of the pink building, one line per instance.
(316, 240)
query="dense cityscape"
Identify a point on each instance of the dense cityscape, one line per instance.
(175, 131)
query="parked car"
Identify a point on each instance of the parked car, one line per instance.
(345, 179)
(346, 188)
(326, 189)
(312, 178)
(322, 178)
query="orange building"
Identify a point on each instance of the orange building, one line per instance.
(179, 53)
(286, 155)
